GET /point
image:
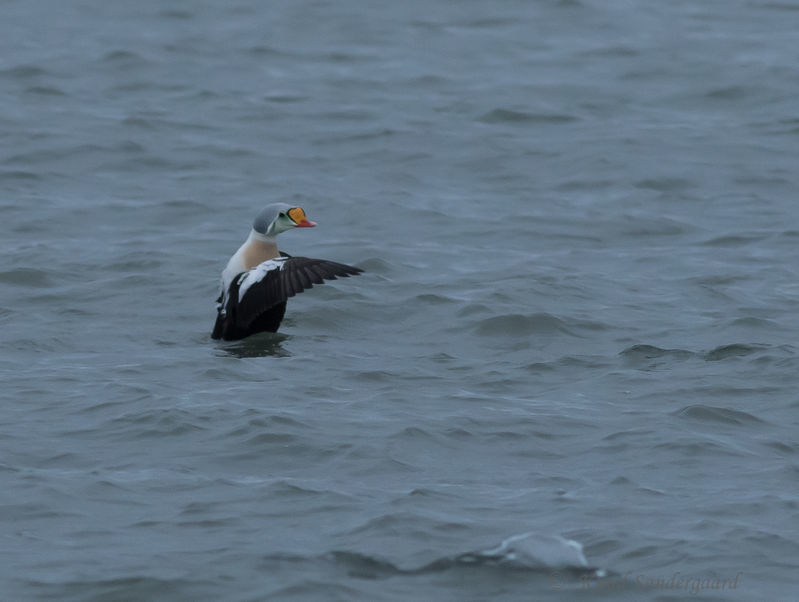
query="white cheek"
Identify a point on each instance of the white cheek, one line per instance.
(283, 224)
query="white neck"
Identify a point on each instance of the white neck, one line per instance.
(260, 237)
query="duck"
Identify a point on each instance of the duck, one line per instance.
(258, 279)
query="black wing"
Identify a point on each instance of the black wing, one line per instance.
(295, 275)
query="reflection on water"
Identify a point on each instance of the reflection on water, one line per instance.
(264, 344)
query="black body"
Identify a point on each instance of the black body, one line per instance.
(264, 303)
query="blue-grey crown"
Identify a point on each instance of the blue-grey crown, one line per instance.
(267, 215)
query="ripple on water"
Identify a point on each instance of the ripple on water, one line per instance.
(125, 57)
(520, 325)
(269, 439)
(724, 352)
(473, 308)
(157, 423)
(522, 117)
(644, 354)
(728, 93)
(432, 299)
(30, 277)
(18, 174)
(717, 414)
(758, 324)
(530, 324)
(664, 184)
(692, 448)
(45, 91)
(782, 447)
(734, 240)
(23, 72)
(175, 14)
(137, 587)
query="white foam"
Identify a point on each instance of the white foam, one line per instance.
(534, 550)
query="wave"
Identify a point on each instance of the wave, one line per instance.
(531, 553)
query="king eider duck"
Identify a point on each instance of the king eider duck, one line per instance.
(259, 279)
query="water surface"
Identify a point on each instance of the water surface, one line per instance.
(576, 326)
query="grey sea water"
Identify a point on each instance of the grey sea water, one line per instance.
(570, 369)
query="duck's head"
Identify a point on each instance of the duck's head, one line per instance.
(277, 218)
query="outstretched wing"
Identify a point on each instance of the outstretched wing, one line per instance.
(275, 280)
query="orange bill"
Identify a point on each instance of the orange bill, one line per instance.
(298, 217)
